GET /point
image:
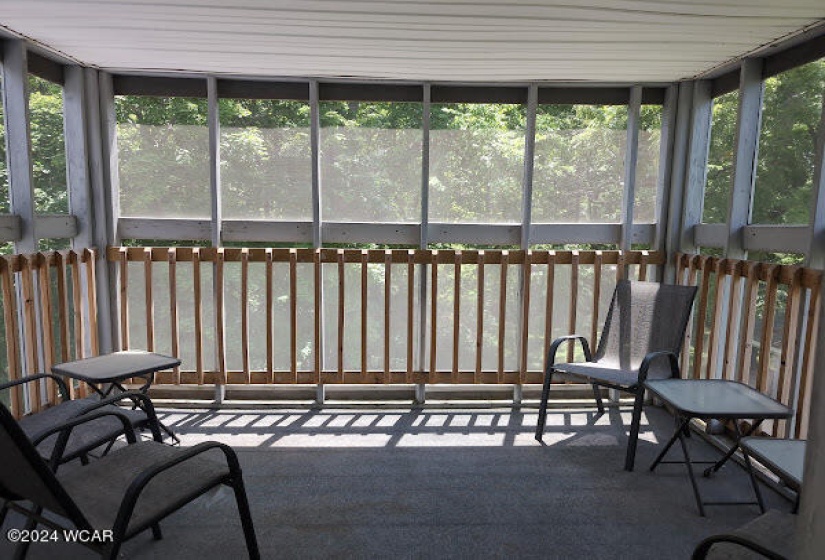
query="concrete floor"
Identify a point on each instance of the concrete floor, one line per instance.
(436, 483)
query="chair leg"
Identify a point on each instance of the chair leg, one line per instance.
(598, 396)
(246, 518)
(31, 523)
(634, 430)
(3, 511)
(157, 534)
(113, 550)
(545, 395)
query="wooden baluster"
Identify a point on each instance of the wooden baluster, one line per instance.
(387, 307)
(89, 257)
(734, 313)
(525, 316)
(548, 314)
(502, 313)
(270, 337)
(341, 313)
(15, 371)
(767, 329)
(787, 361)
(574, 300)
(318, 307)
(457, 258)
(293, 314)
(597, 295)
(150, 306)
(410, 312)
(706, 264)
(479, 318)
(433, 313)
(171, 257)
(220, 321)
(30, 329)
(77, 304)
(718, 319)
(803, 407)
(643, 262)
(123, 253)
(748, 322)
(46, 322)
(364, 305)
(62, 305)
(198, 310)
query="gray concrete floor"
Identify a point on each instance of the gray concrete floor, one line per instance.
(435, 483)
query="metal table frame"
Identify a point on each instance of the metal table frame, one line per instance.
(763, 408)
(110, 370)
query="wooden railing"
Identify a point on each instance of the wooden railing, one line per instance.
(527, 297)
(47, 318)
(755, 323)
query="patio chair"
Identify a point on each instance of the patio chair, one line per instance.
(38, 426)
(641, 339)
(126, 492)
(771, 535)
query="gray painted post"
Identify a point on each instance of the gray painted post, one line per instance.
(317, 217)
(663, 180)
(746, 147)
(815, 257)
(18, 143)
(213, 119)
(694, 188)
(421, 388)
(631, 157)
(526, 221)
(679, 157)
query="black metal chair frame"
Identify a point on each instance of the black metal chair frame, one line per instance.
(121, 530)
(139, 400)
(703, 548)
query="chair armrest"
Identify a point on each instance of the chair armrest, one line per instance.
(701, 551)
(554, 347)
(61, 385)
(65, 430)
(648, 359)
(127, 506)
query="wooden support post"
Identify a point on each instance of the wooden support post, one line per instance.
(697, 157)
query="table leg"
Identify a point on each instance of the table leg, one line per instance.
(721, 462)
(692, 476)
(679, 430)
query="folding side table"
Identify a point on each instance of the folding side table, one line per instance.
(714, 398)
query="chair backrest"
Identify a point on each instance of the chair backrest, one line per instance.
(24, 475)
(645, 317)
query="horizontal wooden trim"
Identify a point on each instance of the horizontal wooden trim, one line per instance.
(776, 238)
(258, 89)
(480, 234)
(803, 53)
(125, 84)
(9, 227)
(55, 226)
(725, 83)
(710, 235)
(45, 68)
(266, 231)
(398, 256)
(478, 94)
(389, 234)
(166, 229)
(549, 95)
(370, 92)
(588, 233)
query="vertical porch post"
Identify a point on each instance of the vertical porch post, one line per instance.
(213, 120)
(421, 388)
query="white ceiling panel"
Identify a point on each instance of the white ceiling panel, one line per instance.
(438, 40)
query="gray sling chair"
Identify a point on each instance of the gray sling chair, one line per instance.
(39, 426)
(126, 492)
(642, 337)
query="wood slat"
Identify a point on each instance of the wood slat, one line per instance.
(525, 316)
(173, 310)
(364, 307)
(479, 317)
(803, 406)
(387, 311)
(717, 324)
(220, 321)
(317, 346)
(456, 313)
(270, 302)
(701, 314)
(150, 304)
(89, 257)
(787, 361)
(643, 262)
(597, 294)
(433, 311)
(123, 279)
(549, 301)
(46, 323)
(30, 337)
(15, 370)
(198, 311)
(572, 317)
(691, 281)
(293, 313)
(341, 313)
(77, 308)
(245, 314)
(767, 331)
(410, 313)
(748, 323)
(734, 318)
(62, 306)
(502, 311)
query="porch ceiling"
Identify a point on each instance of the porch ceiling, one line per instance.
(484, 40)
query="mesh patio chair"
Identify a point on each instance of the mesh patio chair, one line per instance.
(126, 492)
(641, 339)
(772, 535)
(38, 426)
